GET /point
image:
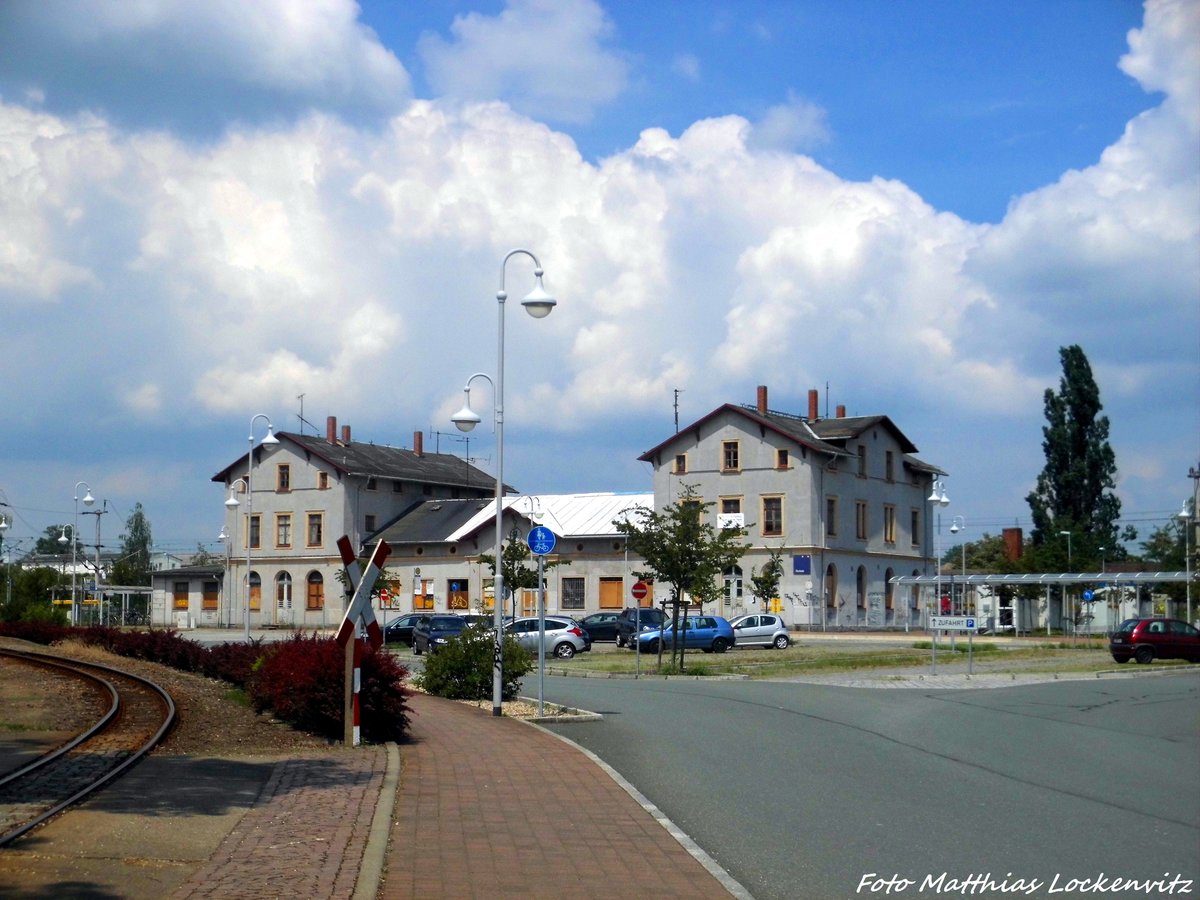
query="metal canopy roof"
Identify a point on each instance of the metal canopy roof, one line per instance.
(1046, 578)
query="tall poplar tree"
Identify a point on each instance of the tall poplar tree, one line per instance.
(133, 566)
(1074, 491)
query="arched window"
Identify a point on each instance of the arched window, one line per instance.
(255, 591)
(889, 590)
(283, 591)
(831, 586)
(914, 597)
(315, 597)
(860, 587)
(733, 585)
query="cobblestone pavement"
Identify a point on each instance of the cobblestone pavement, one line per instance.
(305, 835)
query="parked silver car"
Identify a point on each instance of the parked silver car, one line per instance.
(760, 630)
(564, 636)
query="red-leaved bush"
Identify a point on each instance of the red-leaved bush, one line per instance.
(302, 680)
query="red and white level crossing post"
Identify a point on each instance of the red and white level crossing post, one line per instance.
(359, 618)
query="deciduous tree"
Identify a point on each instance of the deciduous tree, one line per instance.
(682, 549)
(1074, 491)
(133, 566)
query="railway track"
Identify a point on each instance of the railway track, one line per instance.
(137, 715)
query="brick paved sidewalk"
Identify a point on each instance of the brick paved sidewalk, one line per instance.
(304, 836)
(491, 807)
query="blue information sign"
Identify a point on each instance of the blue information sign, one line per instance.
(541, 540)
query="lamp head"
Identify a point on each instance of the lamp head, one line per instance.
(538, 303)
(62, 538)
(232, 502)
(222, 537)
(466, 418)
(270, 439)
(88, 499)
(954, 529)
(1184, 512)
(3, 523)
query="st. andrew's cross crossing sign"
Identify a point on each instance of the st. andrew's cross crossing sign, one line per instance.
(359, 612)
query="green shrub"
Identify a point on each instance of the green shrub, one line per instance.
(462, 668)
(45, 613)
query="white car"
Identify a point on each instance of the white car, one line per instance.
(760, 630)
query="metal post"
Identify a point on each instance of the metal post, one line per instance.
(269, 439)
(541, 632)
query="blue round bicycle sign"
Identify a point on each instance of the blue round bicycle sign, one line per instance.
(541, 540)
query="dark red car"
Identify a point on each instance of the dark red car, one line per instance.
(1146, 640)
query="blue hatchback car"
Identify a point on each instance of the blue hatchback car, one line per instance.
(712, 634)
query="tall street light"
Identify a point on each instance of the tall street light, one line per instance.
(1066, 593)
(88, 500)
(957, 524)
(539, 305)
(269, 441)
(937, 500)
(232, 504)
(1185, 515)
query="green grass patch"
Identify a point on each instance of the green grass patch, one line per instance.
(833, 657)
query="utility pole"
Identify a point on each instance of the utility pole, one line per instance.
(99, 593)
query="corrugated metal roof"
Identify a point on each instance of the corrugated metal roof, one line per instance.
(567, 515)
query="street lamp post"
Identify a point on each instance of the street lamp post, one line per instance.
(938, 499)
(1066, 593)
(957, 524)
(539, 305)
(268, 441)
(231, 503)
(88, 500)
(225, 539)
(1185, 515)
(8, 574)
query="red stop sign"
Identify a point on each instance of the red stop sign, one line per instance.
(640, 590)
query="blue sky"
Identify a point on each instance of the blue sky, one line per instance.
(207, 210)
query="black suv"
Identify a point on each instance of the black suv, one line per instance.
(627, 623)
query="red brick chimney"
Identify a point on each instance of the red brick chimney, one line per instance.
(345, 434)
(418, 443)
(762, 399)
(841, 411)
(814, 411)
(331, 429)
(1014, 543)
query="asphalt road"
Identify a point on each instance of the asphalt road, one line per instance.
(802, 791)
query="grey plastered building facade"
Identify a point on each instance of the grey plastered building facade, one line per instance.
(436, 561)
(309, 490)
(843, 499)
